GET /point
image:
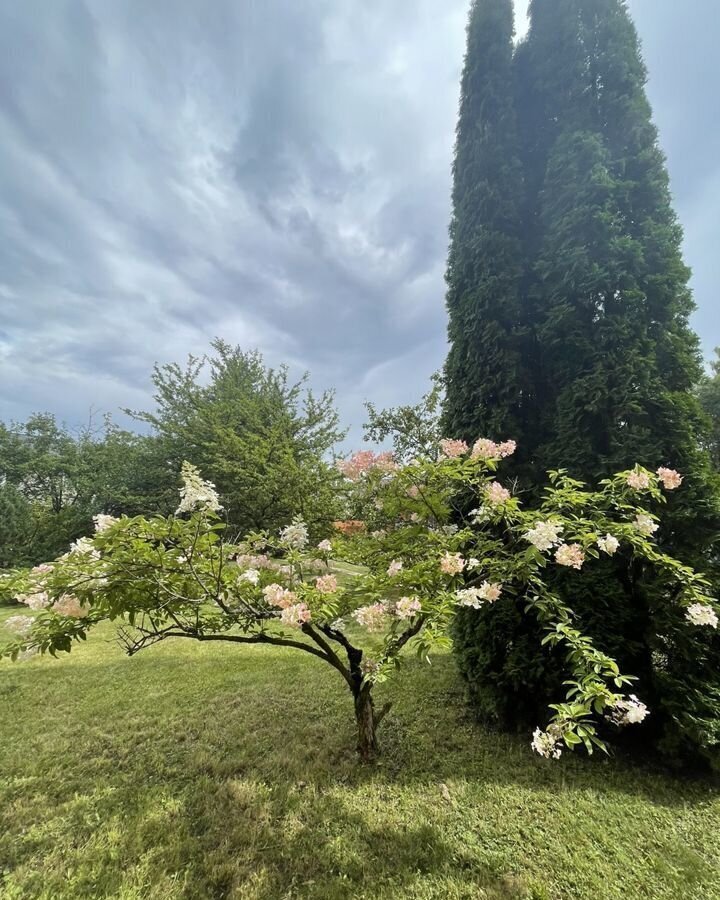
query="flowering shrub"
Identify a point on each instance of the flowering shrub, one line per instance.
(179, 577)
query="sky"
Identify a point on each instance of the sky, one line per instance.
(271, 172)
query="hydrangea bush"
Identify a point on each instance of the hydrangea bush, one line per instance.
(425, 555)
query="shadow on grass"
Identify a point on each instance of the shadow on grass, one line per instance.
(208, 774)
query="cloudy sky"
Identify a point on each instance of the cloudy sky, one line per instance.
(273, 172)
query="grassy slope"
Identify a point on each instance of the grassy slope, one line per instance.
(211, 772)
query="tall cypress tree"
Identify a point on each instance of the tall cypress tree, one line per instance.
(484, 365)
(609, 358)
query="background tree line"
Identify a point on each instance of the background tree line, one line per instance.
(262, 438)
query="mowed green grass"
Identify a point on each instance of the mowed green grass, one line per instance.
(215, 771)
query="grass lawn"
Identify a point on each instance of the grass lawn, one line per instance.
(211, 771)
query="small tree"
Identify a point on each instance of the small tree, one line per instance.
(178, 577)
(262, 438)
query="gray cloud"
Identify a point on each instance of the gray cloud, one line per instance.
(274, 173)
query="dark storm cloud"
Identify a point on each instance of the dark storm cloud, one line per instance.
(274, 173)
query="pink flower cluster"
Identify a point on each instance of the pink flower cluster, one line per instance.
(69, 606)
(373, 617)
(295, 616)
(670, 478)
(451, 448)
(407, 607)
(326, 584)
(570, 555)
(364, 461)
(496, 494)
(277, 595)
(452, 564)
(484, 448)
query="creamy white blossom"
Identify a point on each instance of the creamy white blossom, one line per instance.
(646, 524)
(102, 522)
(702, 614)
(638, 481)
(547, 743)
(608, 544)
(85, 546)
(325, 546)
(251, 575)
(38, 600)
(295, 535)
(469, 597)
(544, 535)
(629, 712)
(394, 568)
(196, 493)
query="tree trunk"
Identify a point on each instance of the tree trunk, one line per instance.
(366, 723)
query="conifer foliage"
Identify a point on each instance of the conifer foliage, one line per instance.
(569, 302)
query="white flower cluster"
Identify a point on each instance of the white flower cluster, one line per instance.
(646, 524)
(295, 536)
(488, 592)
(251, 575)
(629, 712)
(608, 544)
(85, 546)
(20, 625)
(103, 522)
(196, 493)
(544, 535)
(548, 743)
(702, 614)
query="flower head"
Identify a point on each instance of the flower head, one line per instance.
(394, 568)
(484, 448)
(295, 616)
(646, 524)
(38, 600)
(496, 494)
(364, 461)
(196, 493)
(369, 667)
(570, 555)
(452, 564)
(544, 535)
(68, 605)
(324, 546)
(277, 595)
(326, 584)
(670, 478)
(373, 617)
(85, 546)
(295, 535)
(638, 481)
(451, 448)
(407, 607)
(547, 743)
(251, 575)
(608, 544)
(629, 712)
(103, 522)
(702, 614)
